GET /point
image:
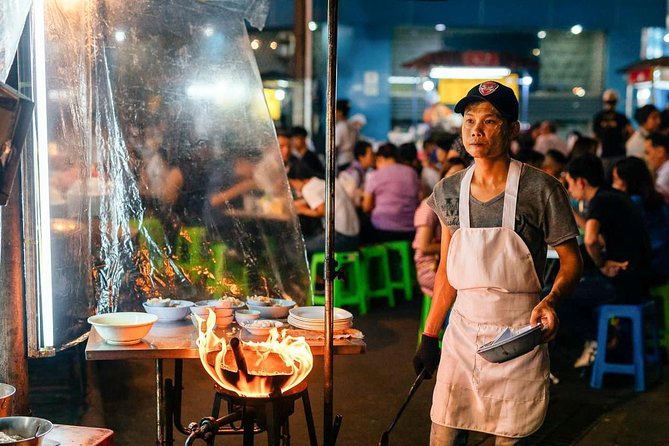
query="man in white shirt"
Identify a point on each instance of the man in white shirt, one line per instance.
(312, 204)
(548, 139)
(657, 156)
(648, 118)
(345, 135)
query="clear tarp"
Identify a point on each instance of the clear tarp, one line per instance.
(13, 15)
(166, 177)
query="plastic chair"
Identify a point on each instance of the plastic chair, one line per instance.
(224, 270)
(640, 359)
(402, 267)
(661, 293)
(351, 290)
(376, 268)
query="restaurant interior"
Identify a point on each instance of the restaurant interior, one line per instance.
(156, 268)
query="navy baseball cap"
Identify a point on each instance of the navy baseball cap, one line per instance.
(500, 96)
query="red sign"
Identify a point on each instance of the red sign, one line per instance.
(639, 75)
(480, 58)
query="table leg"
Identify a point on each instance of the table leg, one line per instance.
(160, 405)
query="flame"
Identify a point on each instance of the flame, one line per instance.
(281, 359)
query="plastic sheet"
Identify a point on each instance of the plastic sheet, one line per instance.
(164, 162)
(13, 15)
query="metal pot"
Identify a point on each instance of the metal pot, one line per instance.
(31, 428)
(6, 394)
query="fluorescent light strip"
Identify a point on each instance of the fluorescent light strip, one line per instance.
(42, 169)
(469, 72)
(404, 80)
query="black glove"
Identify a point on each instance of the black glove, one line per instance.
(427, 356)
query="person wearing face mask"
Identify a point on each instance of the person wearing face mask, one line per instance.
(497, 218)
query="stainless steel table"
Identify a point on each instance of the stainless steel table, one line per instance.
(176, 340)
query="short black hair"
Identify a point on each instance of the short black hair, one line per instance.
(589, 167)
(407, 153)
(343, 105)
(659, 140)
(282, 132)
(557, 156)
(298, 130)
(642, 114)
(360, 148)
(387, 150)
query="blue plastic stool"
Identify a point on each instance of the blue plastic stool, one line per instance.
(637, 368)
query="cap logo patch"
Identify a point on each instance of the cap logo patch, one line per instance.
(487, 88)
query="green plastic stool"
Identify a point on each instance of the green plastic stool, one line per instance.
(661, 293)
(350, 291)
(376, 267)
(224, 270)
(402, 267)
(192, 249)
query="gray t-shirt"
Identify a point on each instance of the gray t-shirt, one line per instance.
(543, 214)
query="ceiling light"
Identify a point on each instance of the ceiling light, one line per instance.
(541, 34)
(576, 29)
(469, 72)
(440, 27)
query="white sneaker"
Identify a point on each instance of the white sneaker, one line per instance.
(588, 356)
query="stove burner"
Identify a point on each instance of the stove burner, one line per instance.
(255, 415)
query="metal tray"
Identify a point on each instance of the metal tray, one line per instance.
(508, 345)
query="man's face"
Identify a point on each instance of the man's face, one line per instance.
(653, 122)
(576, 187)
(485, 133)
(284, 146)
(618, 182)
(299, 143)
(369, 159)
(656, 156)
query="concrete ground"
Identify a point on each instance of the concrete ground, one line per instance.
(369, 390)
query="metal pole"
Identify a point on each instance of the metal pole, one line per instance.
(13, 363)
(328, 374)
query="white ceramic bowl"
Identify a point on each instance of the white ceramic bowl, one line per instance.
(278, 310)
(254, 300)
(227, 302)
(158, 302)
(177, 310)
(224, 321)
(123, 328)
(220, 311)
(253, 327)
(246, 315)
(33, 429)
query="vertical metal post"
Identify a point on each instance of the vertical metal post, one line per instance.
(329, 266)
(13, 363)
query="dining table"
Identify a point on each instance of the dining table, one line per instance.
(176, 341)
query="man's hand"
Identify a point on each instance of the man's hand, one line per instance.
(427, 356)
(544, 313)
(301, 207)
(611, 268)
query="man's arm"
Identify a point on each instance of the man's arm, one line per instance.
(367, 202)
(571, 267)
(444, 294)
(593, 243)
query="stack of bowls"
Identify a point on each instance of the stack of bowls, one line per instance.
(224, 312)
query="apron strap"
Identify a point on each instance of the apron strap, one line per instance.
(464, 197)
(510, 196)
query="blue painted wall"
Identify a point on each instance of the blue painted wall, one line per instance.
(367, 26)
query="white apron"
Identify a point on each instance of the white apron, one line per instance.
(497, 287)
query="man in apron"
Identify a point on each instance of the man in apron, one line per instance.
(497, 219)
